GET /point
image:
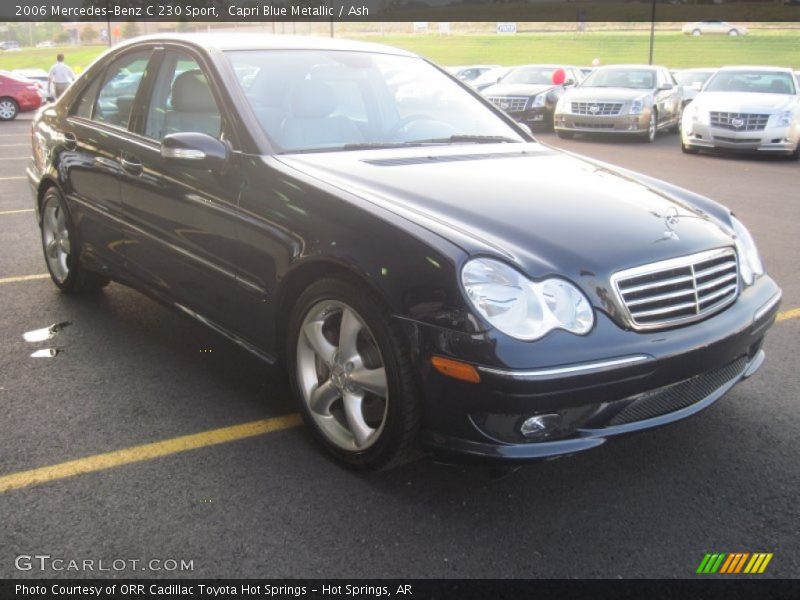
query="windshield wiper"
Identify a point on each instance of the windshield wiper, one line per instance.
(469, 139)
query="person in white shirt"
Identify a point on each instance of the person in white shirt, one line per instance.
(60, 76)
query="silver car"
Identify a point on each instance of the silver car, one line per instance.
(637, 100)
(745, 108)
(692, 81)
(713, 27)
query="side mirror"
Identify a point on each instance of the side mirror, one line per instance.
(666, 86)
(196, 149)
(569, 82)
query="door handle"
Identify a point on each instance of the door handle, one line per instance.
(131, 164)
(70, 141)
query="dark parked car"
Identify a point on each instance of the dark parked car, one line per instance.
(424, 269)
(17, 94)
(529, 93)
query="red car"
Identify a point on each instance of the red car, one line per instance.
(17, 95)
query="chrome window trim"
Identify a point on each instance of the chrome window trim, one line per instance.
(568, 370)
(675, 263)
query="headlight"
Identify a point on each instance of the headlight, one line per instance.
(750, 265)
(538, 101)
(785, 119)
(699, 115)
(521, 308)
(637, 106)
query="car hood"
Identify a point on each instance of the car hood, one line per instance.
(545, 210)
(604, 94)
(741, 102)
(517, 89)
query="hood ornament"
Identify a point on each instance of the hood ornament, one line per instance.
(670, 220)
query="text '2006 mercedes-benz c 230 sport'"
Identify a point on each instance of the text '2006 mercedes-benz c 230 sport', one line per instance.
(425, 270)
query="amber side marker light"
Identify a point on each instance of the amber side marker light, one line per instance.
(455, 369)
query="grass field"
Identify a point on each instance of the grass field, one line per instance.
(674, 50)
(43, 58)
(781, 48)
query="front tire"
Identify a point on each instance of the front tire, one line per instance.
(565, 135)
(652, 127)
(59, 243)
(9, 109)
(688, 149)
(351, 375)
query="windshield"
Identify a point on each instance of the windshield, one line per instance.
(531, 75)
(308, 100)
(644, 79)
(691, 77)
(761, 82)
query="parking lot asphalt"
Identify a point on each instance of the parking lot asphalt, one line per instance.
(130, 372)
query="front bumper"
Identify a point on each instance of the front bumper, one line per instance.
(608, 383)
(534, 117)
(780, 140)
(622, 123)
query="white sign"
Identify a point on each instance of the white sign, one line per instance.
(506, 28)
(420, 26)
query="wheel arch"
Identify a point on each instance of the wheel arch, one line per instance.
(45, 183)
(303, 274)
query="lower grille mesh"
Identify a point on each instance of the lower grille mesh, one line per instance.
(679, 395)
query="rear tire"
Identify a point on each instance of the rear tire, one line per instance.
(351, 375)
(60, 246)
(9, 109)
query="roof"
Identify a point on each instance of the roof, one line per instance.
(250, 41)
(755, 68)
(629, 67)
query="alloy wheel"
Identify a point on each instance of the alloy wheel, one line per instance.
(341, 375)
(651, 129)
(55, 238)
(8, 110)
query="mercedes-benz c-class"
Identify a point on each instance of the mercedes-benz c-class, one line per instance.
(424, 270)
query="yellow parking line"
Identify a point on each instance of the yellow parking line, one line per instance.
(101, 462)
(16, 212)
(12, 178)
(24, 278)
(788, 314)
(14, 145)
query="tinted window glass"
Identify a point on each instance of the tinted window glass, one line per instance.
(311, 99)
(83, 107)
(181, 100)
(115, 101)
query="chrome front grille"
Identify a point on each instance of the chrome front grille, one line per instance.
(509, 103)
(599, 109)
(678, 290)
(739, 121)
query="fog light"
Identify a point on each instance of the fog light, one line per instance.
(540, 427)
